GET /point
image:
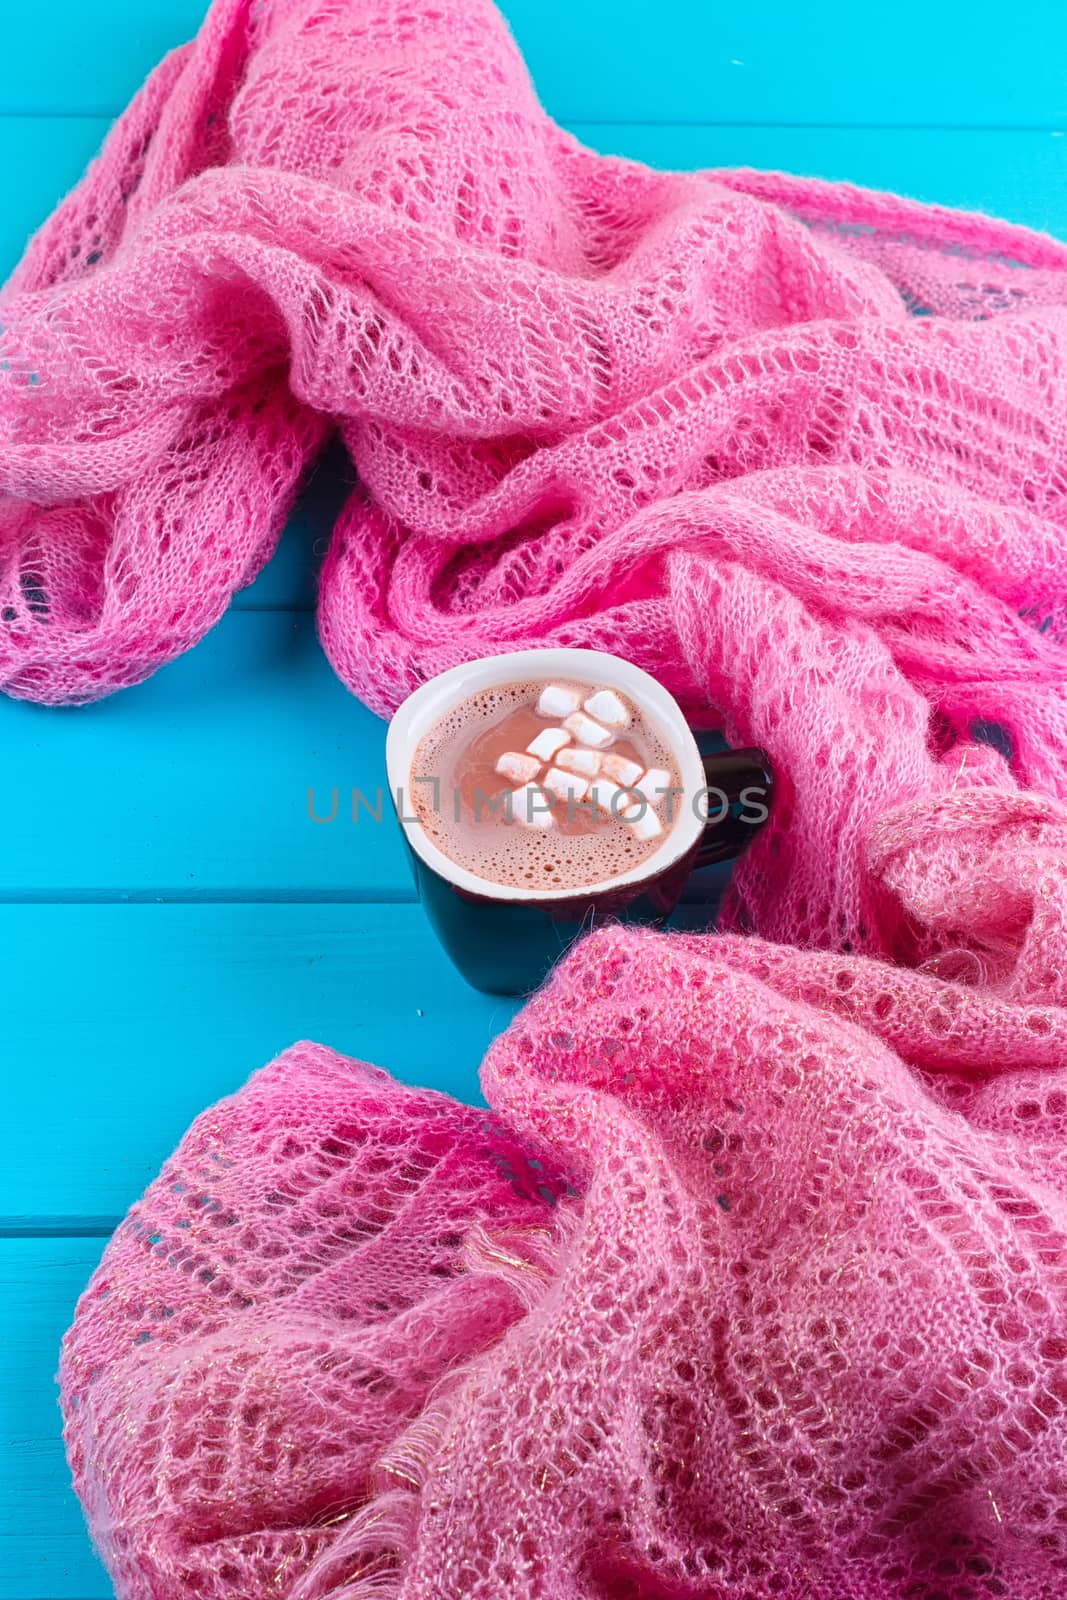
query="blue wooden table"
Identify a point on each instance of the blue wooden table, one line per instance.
(170, 916)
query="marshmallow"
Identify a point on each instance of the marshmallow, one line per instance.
(558, 701)
(586, 731)
(606, 795)
(517, 767)
(530, 805)
(546, 744)
(606, 706)
(623, 771)
(644, 824)
(568, 785)
(587, 762)
(653, 785)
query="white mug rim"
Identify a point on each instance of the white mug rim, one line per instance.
(415, 716)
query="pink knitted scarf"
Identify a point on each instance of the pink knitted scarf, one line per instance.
(753, 1283)
(753, 1286)
(799, 450)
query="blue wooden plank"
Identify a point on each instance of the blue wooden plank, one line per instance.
(126, 1021)
(196, 784)
(620, 60)
(45, 1552)
(780, 62)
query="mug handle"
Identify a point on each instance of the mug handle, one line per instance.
(746, 779)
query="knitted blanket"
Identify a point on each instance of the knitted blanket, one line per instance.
(780, 1310)
(753, 1283)
(798, 450)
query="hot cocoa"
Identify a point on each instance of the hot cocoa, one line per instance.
(557, 784)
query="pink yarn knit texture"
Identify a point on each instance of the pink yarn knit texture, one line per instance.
(799, 450)
(752, 1285)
